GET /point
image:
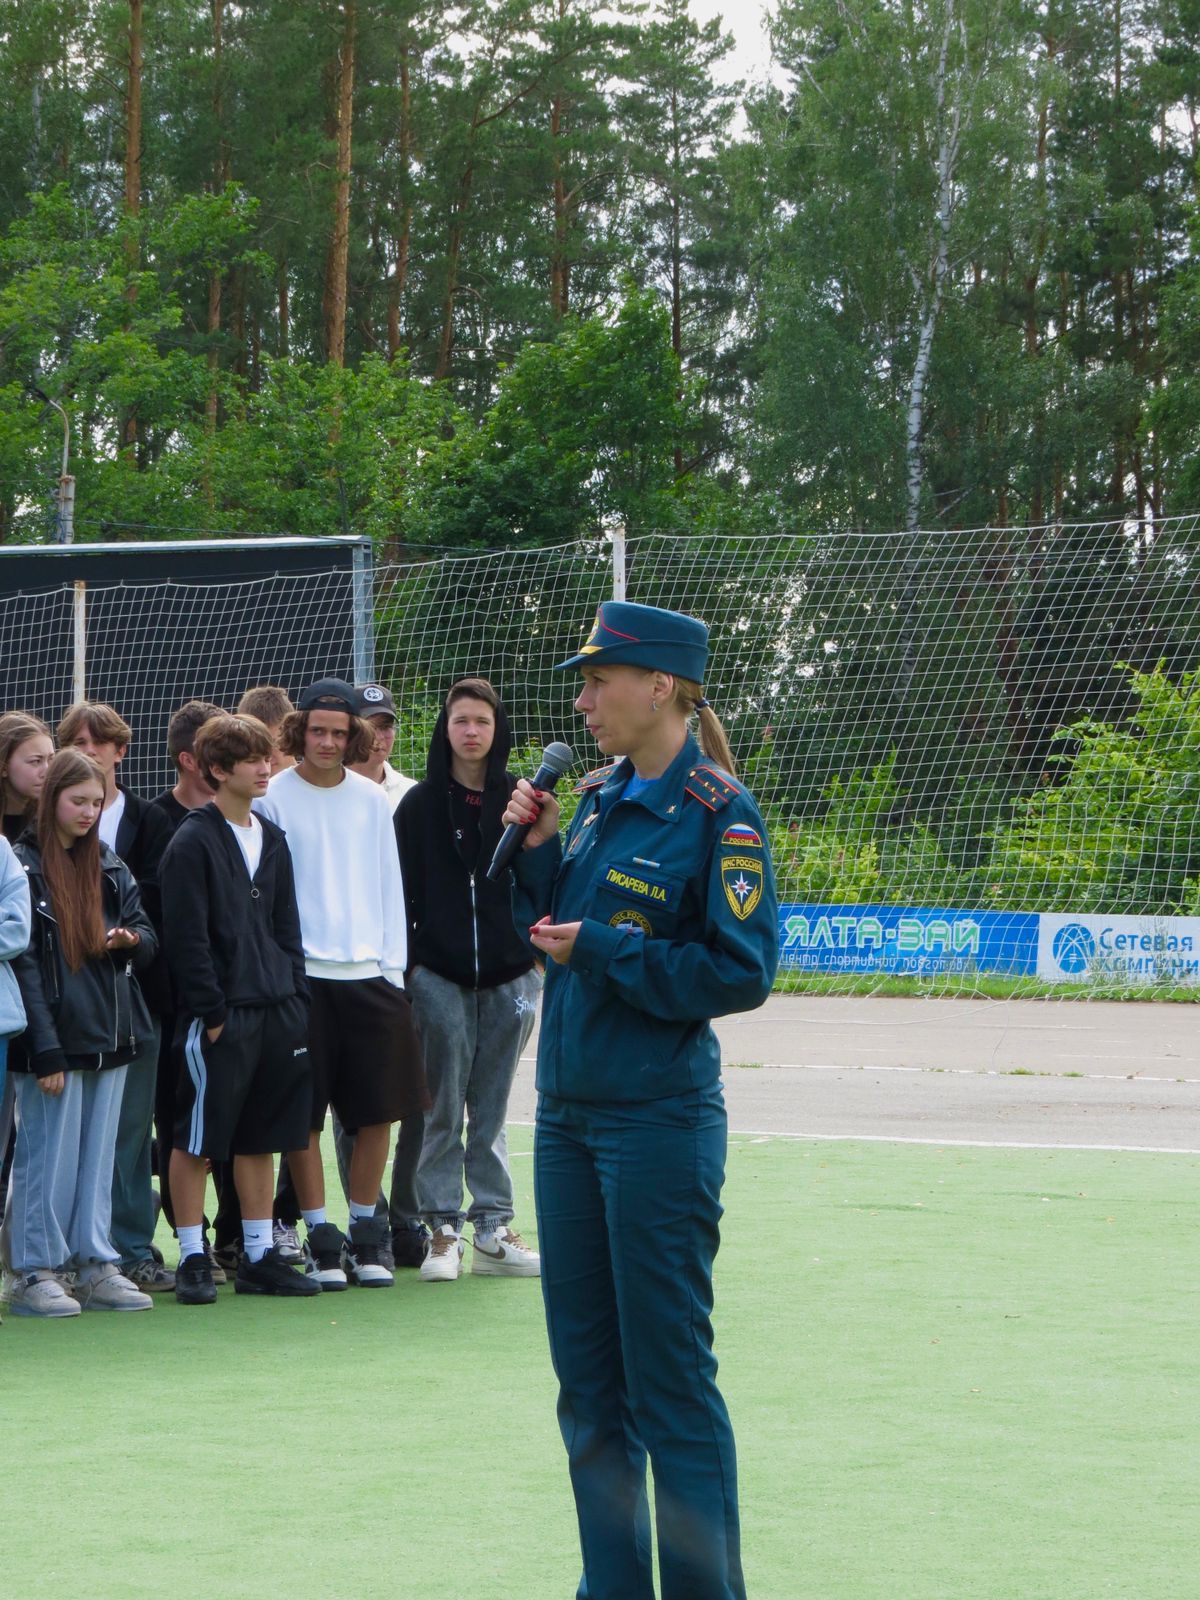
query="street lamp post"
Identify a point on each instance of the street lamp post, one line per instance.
(64, 527)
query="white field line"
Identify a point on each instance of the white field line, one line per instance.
(946, 1072)
(761, 1136)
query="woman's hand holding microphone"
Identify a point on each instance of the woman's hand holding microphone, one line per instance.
(536, 806)
(539, 807)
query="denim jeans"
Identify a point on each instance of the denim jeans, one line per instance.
(472, 1040)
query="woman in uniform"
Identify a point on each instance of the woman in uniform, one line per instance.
(656, 913)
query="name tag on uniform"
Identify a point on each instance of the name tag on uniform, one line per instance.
(642, 887)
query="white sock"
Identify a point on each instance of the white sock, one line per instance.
(256, 1238)
(191, 1241)
(360, 1213)
(314, 1219)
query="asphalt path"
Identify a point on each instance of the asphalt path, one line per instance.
(1053, 1073)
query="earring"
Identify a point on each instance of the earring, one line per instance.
(654, 705)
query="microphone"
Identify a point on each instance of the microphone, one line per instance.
(556, 759)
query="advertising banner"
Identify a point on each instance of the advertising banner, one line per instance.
(1074, 948)
(906, 939)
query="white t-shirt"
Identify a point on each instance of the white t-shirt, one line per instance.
(250, 839)
(352, 915)
(110, 820)
(395, 786)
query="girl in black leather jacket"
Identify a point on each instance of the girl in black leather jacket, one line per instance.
(85, 1016)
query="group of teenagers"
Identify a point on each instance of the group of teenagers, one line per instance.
(306, 935)
(293, 928)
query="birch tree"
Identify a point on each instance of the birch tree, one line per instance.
(898, 112)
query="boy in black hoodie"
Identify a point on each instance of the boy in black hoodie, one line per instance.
(233, 944)
(472, 982)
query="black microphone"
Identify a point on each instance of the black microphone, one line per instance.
(556, 759)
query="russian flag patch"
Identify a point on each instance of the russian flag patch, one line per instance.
(740, 834)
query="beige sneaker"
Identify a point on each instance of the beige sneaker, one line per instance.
(104, 1288)
(444, 1262)
(40, 1294)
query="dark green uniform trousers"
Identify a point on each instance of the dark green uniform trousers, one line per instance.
(628, 1207)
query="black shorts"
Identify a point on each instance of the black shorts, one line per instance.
(366, 1057)
(248, 1094)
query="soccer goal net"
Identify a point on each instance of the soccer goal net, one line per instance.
(977, 752)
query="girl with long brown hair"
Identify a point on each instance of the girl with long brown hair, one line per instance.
(85, 1019)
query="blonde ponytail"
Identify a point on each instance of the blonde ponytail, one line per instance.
(689, 698)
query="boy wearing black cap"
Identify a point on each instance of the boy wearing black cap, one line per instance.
(410, 1239)
(362, 1043)
(375, 706)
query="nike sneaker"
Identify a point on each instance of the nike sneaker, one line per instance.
(271, 1274)
(444, 1261)
(504, 1254)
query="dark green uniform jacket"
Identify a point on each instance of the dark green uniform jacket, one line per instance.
(676, 895)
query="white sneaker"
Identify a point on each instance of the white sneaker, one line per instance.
(105, 1288)
(39, 1294)
(444, 1261)
(504, 1254)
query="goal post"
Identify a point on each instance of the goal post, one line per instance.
(145, 627)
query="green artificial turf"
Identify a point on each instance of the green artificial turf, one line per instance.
(954, 1375)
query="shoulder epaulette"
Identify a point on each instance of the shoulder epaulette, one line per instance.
(594, 779)
(711, 786)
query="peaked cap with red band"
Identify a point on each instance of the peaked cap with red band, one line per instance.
(628, 635)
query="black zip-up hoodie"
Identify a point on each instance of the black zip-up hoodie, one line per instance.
(98, 1011)
(460, 922)
(230, 941)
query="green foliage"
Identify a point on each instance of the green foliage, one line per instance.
(1173, 414)
(1115, 827)
(515, 168)
(580, 437)
(858, 852)
(1121, 831)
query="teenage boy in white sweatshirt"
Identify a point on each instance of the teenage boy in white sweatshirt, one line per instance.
(362, 1043)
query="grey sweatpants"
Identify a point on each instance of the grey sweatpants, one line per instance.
(471, 1040)
(60, 1204)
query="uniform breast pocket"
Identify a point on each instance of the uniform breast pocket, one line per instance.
(629, 894)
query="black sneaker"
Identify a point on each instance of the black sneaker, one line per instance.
(410, 1246)
(272, 1275)
(325, 1248)
(364, 1261)
(194, 1284)
(226, 1256)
